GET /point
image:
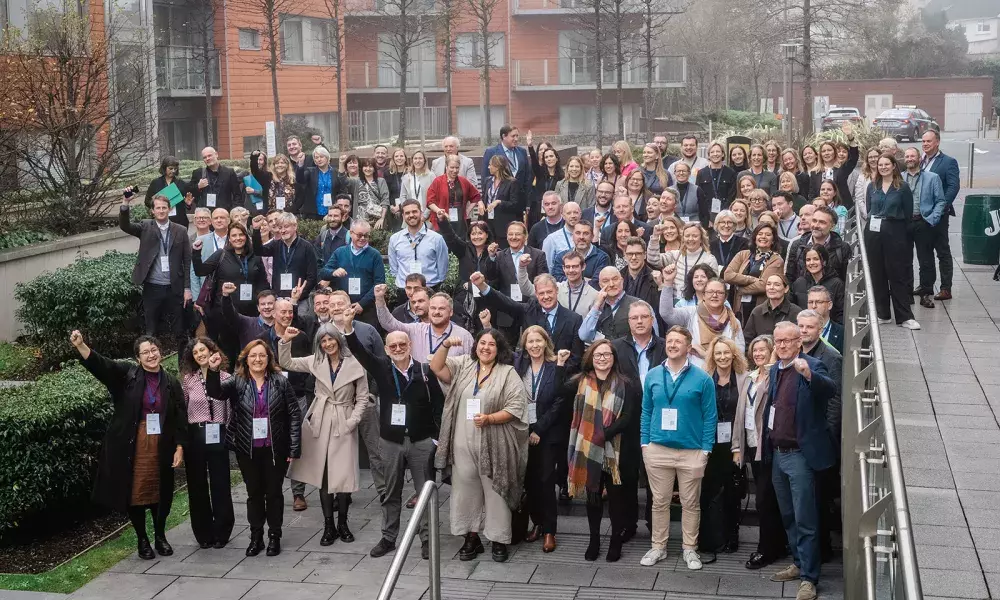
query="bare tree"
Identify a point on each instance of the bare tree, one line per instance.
(446, 37)
(335, 9)
(655, 16)
(481, 13)
(200, 25)
(75, 106)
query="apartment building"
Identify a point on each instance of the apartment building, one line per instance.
(543, 72)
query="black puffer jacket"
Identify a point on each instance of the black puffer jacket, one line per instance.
(284, 415)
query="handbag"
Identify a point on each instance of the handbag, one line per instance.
(207, 293)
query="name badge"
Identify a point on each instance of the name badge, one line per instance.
(152, 424)
(210, 200)
(453, 214)
(770, 419)
(668, 419)
(213, 433)
(532, 413)
(875, 224)
(748, 419)
(165, 264)
(475, 291)
(472, 408)
(515, 292)
(685, 219)
(280, 202)
(415, 267)
(723, 432)
(260, 428)
(354, 285)
(259, 205)
(716, 205)
(398, 415)
(173, 212)
(284, 374)
(286, 281)
(246, 292)
(490, 214)
(327, 200)
(746, 298)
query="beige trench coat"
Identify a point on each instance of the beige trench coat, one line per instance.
(330, 425)
(760, 398)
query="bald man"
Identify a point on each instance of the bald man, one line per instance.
(466, 168)
(560, 241)
(609, 316)
(215, 185)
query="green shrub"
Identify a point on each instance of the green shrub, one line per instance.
(50, 431)
(16, 238)
(94, 295)
(309, 228)
(17, 362)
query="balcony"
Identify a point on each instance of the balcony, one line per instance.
(179, 72)
(390, 8)
(580, 73)
(368, 77)
(565, 7)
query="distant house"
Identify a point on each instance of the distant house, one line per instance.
(979, 19)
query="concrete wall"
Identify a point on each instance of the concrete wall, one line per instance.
(24, 264)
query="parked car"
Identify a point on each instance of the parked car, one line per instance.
(837, 115)
(905, 123)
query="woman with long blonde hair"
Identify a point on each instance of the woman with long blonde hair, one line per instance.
(623, 152)
(657, 178)
(278, 179)
(575, 186)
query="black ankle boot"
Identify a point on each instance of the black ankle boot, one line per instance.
(273, 543)
(472, 547)
(144, 550)
(330, 533)
(614, 549)
(163, 547)
(594, 548)
(256, 543)
(342, 530)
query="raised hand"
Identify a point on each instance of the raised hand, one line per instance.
(197, 245)
(453, 342)
(441, 213)
(485, 318)
(76, 338)
(492, 249)
(802, 367)
(562, 356)
(380, 290)
(257, 221)
(478, 279)
(640, 232)
(228, 288)
(528, 138)
(289, 335)
(602, 296)
(215, 361)
(297, 291)
(524, 261)
(669, 272)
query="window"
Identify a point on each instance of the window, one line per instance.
(469, 50)
(471, 120)
(249, 39)
(327, 124)
(308, 41)
(253, 142)
(983, 28)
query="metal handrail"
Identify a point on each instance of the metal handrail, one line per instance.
(880, 559)
(428, 498)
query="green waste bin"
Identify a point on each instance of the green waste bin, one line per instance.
(981, 230)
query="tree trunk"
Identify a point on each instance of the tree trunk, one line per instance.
(620, 67)
(209, 129)
(488, 134)
(449, 14)
(599, 82)
(272, 40)
(807, 72)
(648, 38)
(404, 62)
(344, 135)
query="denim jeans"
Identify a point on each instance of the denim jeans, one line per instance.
(795, 488)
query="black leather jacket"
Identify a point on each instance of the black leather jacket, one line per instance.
(284, 414)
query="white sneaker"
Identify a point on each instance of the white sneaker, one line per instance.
(884, 321)
(653, 556)
(693, 560)
(910, 324)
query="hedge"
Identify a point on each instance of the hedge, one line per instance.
(94, 295)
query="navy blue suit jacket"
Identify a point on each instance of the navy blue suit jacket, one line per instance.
(946, 168)
(552, 424)
(814, 437)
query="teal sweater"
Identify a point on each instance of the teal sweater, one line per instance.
(695, 404)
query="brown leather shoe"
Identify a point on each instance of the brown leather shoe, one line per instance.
(943, 295)
(549, 544)
(299, 504)
(534, 534)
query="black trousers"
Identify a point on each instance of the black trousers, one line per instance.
(264, 474)
(772, 540)
(617, 509)
(720, 501)
(209, 491)
(541, 485)
(827, 492)
(163, 310)
(923, 234)
(890, 256)
(943, 248)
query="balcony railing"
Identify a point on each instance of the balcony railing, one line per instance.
(556, 7)
(179, 72)
(383, 76)
(391, 8)
(576, 72)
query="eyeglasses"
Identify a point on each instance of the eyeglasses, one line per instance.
(152, 352)
(640, 317)
(397, 346)
(816, 302)
(787, 342)
(602, 355)
(715, 292)
(360, 235)
(634, 254)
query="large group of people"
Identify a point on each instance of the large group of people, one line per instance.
(620, 324)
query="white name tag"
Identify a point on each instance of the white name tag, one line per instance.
(770, 419)
(210, 200)
(875, 224)
(472, 408)
(260, 428)
(398, 415)
(475, 291)
(280, 202)
(746, 298)
(246, 292)
(173, 212)
(723, 432)
(213, 433)
(668, 419)
(716, 205)
(284, 374)
(286, 281)
(490, 214)
(165, 264)
(327, 200)
(748, 419)
(415, 267)
(453, 214)
(686, 219)
(259, 205)
(354, 285)
(515, 292)
(152, 424)
(532, 413)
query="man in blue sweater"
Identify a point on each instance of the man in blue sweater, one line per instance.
(677, 430)
(356, 269)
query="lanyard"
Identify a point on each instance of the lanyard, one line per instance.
(751, 392)
(151, 392)
(395, 379)
(245, 267)
(677, 384)
(723, 254)
(165, 241)
(493, 190)
(569, 292)
(475, 390)
(566, 237)
(696, 261)
(914, 182)
(430, 341)
(784, 231)
(287, 253)
(716, 181)
(536, 379)
(415, 243)
(826, 330)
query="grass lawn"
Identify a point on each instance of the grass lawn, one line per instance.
(77, 572)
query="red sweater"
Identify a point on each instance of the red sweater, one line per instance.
(437, 195)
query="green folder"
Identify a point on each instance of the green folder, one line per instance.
(173, 194)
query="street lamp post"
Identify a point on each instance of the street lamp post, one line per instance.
(789, 51)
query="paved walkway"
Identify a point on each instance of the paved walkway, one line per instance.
(945, 390)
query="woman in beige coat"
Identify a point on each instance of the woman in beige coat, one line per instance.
(330, 427)
(484, 439)
(749, 270)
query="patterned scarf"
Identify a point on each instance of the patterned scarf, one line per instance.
(587, 459)
(709, 327)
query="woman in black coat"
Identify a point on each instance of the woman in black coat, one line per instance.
(169, 167)
(473, 255)
(818, 273)
(548, 173)
(543, 375)
(501, 202)
(144, 443)
(265, 433)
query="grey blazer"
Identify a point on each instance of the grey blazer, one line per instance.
(585, 195)
(467, 169)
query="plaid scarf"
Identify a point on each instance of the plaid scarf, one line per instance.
(590, 454)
